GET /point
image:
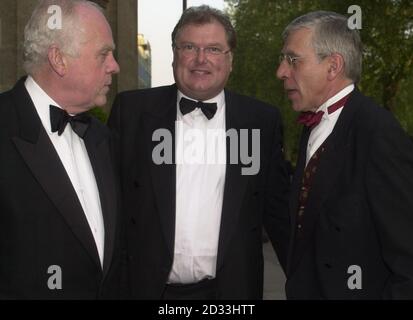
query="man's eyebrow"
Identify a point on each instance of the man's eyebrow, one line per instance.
(108, 48)
(290, 53)
(215, 44)
(212, 44)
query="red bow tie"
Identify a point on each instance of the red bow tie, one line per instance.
(312, 119)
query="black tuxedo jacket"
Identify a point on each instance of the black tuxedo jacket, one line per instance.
(149, 195)
(42, 223)
(358, 220)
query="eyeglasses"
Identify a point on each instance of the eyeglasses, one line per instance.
(190, 50)
(292, 61)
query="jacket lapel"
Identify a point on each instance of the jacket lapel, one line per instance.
(328, 170)
(163, 116)
(97, 144)
(295, 190)
(235, 182)
(40, 156)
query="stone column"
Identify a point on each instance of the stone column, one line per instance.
(14, 15)
(24, 11)
(8, 44)
(122, 16)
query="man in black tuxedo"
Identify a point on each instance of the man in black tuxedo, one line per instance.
(194, 205)
(351, 200)
(59, 207)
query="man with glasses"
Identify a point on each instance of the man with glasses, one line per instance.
(194, 228)
(351, 201)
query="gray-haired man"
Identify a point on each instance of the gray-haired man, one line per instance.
(58, 197)
(351, 203)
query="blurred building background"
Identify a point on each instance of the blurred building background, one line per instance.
(144, 62)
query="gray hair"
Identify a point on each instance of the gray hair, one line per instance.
(202, 15)
(332, 35)
(39, 37)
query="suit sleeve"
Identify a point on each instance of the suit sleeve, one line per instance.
(276, 214)
(389, 184)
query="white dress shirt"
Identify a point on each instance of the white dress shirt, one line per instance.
(200, 177)
(75, 159)
(320, 133)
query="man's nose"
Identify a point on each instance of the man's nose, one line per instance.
(283, 70)
(200, 55)
(113, 66)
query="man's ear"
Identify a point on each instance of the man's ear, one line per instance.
(336, 68)
(57, 60)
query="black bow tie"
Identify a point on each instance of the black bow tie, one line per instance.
(209, 109)
(59, 119)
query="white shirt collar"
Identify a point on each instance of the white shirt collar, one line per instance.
(341, 94)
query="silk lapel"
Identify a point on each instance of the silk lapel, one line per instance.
(164, 175)
(97, 144)
(235, 182)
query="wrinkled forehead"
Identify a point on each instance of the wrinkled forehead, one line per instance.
(298, 40)
(93, 26)
(211, 33)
